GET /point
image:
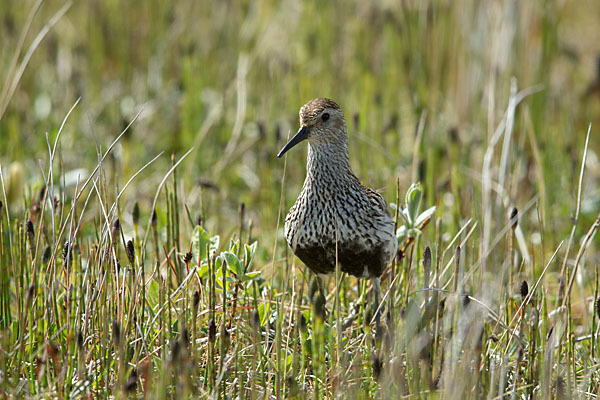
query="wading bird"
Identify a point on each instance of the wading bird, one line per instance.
(335, 218)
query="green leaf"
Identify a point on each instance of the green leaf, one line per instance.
(424, 215)
(263, 312)
(233, 262)
(401, 233)
(203, 270)
(414, 196)
(219, 280)
(234, 246)
(214, 243)
(199, 241)
(404, 214)
(249, 251)
(153, 291)
(413, 232)
(250, 275)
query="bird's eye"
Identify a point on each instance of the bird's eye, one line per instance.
(325, 116)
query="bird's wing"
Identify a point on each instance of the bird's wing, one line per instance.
(377, 200)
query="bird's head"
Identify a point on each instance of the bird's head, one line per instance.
(321, 122)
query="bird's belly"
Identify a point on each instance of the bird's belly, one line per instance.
(353, 258)
(363, 245)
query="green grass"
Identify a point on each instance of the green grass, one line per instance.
(487, 104)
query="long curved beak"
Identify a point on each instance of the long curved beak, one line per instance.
(301, 135)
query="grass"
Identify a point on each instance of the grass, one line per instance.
(141, 248)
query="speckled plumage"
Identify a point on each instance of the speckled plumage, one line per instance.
(334, 214)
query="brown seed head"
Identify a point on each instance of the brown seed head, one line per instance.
(313, 289)
(196, 299)
(67, 252)
(303, 323)
(30, 293)
(255, 321)
(135, 215)
(426, 265)
(130, 252)
(42, 194)
(441, 308)
(524, 289)
(116, 333)
(29, 230)
(427, 257)
(154, 218)
(466, 300)
(116, 227)
(212, 330)
(80, 340)
(46, 255)
(319, 306)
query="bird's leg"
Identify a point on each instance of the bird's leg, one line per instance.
(376, 282)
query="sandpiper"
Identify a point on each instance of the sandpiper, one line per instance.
(335, 218)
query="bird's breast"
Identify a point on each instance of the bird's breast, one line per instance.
(326, 219)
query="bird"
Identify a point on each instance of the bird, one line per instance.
(335, 218)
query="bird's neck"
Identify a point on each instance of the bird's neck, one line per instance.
(328, 159)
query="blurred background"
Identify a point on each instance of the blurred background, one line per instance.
(423, 84)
